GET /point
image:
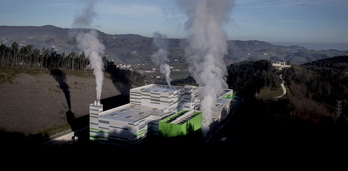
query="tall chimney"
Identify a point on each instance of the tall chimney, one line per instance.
(94, 111)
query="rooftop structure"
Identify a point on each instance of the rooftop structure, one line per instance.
(153, 109)
(280, 64)
(180, 123)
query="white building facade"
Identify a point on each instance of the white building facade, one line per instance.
(132, 122)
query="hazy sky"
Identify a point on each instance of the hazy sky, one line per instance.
(319, 21)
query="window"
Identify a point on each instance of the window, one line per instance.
(104, 122)
(124, 128)
(155, 99)
(142, 126)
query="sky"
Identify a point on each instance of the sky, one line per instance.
(299, 21)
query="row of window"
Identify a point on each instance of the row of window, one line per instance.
(123, 128)
(104, 122)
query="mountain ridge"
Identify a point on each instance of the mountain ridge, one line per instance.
(137, 49)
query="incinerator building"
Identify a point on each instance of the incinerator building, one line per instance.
(156, 110)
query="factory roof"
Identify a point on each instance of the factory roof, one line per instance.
(158, 88)
(227, 94)
(132, 113)
(220, 101)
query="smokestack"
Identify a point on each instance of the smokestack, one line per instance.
(88, 43)
(207, 46)
(96, 103)
(160, 57)
(95, 109)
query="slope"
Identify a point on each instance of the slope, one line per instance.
(36, 100)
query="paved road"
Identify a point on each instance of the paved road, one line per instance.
(283, 87)
(63, 138)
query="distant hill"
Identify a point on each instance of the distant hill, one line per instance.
(338, 62)
(308, 111)
(136, 49)
(303, 118)
(316, 86)
(312, 88)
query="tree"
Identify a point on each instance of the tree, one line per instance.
(62, 61)
(29, 56)
(14, 53)
(83, 61)
(71, 58)
(4, 54)
(36, 58)
(45, 57)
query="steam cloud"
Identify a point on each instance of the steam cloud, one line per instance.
(160, 57)
(88, 42)
(206, 49)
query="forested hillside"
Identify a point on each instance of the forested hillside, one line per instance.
(246, 78)
(313, 89)
(316, 87)
(305, 118)
(249, 77)
(136, 49)
(31, 57)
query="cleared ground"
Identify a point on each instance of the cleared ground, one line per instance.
(32, 101)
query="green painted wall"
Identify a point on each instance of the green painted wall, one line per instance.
(174, 130)
(227, 96)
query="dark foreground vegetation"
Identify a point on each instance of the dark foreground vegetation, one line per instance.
(307, 120)
(313, 89)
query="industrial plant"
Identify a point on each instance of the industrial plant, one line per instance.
(159, 110)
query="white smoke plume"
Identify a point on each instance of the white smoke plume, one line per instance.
(207, 46)
(160, 57)
(88, 43)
